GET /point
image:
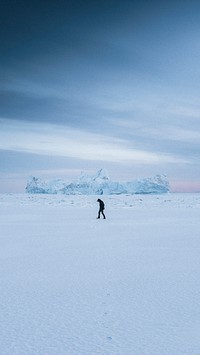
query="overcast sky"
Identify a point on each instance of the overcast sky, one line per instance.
(100, 84)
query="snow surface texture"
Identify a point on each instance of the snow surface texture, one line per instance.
(99, 184)
(74, 285)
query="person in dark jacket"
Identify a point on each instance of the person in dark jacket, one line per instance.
(101, 208)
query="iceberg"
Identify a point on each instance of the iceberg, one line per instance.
(98, 184)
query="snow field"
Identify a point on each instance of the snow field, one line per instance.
(71, 284)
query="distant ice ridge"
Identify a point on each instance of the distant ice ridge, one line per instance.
(99, 184)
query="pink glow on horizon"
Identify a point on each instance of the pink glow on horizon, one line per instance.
(17, 184)
(185, 186)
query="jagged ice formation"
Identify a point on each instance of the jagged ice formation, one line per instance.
(99, 184)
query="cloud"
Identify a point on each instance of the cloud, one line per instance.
(54, 140)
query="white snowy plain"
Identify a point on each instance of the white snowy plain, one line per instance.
(72, 284)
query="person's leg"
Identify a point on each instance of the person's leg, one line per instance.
(103, 215)
(99, 214)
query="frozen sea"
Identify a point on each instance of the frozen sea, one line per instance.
(74, 285)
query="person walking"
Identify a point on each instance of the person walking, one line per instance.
(101, 208)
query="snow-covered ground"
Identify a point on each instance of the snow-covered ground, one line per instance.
(71, 284)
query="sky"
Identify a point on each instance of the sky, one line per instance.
(100, 84)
